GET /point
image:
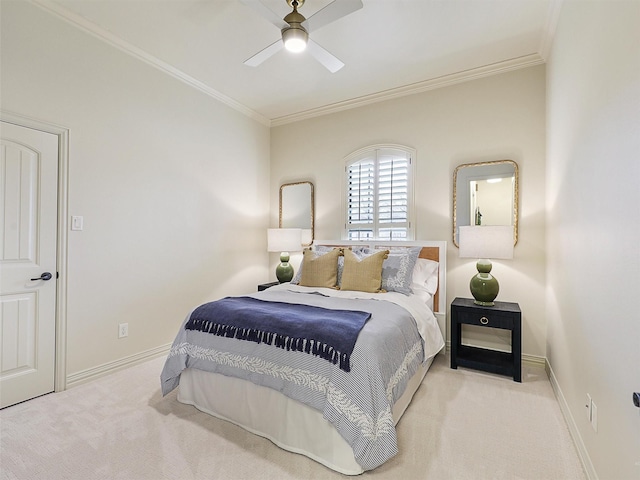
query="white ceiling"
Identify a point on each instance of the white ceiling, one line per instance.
(389, 47)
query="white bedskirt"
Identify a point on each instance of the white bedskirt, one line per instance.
(289, 424)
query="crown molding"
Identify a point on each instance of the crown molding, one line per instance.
(549, 32)
(130, 49)
(419, 87)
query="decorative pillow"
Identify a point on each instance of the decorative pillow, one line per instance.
(318, 269)
(296, 278)
(425, 275)
(397, 270)
(363, 274)
(320, 249)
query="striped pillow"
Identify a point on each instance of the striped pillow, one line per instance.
(320, 270)
(363, 274)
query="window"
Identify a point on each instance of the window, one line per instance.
(379, 198)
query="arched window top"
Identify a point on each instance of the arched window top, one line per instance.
(379, 193)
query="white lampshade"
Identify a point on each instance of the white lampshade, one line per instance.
(486, 241)
(284, 239)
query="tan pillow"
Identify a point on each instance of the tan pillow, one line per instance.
(364, 275)
(320, 271)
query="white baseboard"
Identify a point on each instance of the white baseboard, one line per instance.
(89, 374)
(534, 360)
(573, 428)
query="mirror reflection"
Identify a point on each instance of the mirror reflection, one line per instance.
(297, 209)
(485, 194)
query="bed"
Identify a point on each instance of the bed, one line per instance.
(341, 413)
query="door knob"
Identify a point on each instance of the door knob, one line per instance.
(45, 276)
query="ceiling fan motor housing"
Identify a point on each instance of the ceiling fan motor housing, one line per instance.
(295, 36)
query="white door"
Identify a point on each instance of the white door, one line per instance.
(28, 232)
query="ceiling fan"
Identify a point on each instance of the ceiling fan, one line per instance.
(295, 30)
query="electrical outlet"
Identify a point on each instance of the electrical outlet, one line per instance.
(588, 407)
(123, 330)
(594, 416)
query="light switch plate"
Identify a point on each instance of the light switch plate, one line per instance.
(77, 223)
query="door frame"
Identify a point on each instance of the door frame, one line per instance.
(60, 376)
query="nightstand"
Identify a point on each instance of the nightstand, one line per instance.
(504, 315)
(264, 286)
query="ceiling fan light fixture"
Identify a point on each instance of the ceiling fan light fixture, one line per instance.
(295, 39)
(294, 30)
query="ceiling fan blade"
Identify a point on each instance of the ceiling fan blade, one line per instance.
(332, 12)
(264, 54)
(266, 12)
(325, 58)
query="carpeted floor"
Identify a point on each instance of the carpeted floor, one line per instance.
(462, 424)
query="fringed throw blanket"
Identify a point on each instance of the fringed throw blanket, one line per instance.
(326, 333)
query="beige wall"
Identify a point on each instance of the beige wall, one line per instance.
(593, 224)
(153, 169)
(494, 118)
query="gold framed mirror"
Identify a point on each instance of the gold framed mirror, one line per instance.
(297, 209)
(485, 193)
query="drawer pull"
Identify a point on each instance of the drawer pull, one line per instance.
(484, 320)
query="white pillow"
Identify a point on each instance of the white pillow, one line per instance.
(421, 292)
(425, 275)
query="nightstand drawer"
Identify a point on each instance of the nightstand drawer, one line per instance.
(485, 319)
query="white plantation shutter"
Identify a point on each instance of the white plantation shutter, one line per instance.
(378, 194)
(361, 180)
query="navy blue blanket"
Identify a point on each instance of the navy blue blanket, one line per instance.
(329, 334)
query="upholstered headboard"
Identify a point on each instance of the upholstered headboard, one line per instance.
(431, 250)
